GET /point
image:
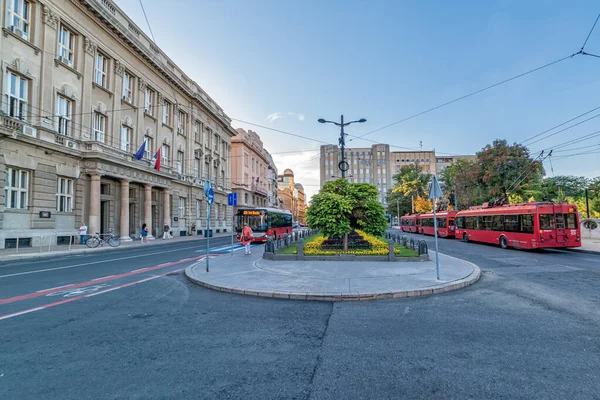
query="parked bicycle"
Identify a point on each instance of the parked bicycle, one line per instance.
(100, 239)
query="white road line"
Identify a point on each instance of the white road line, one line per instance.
(58, 287)
(141, 269)
(94, 262)
(104, 277)
(104, 291)
(21, 313)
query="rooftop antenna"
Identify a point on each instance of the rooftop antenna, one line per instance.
(421, 144)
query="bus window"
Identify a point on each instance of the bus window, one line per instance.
(546, 222)
(571, 221)
(526, 223)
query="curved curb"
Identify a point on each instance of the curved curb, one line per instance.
(313, 296)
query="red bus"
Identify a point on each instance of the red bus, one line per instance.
(445, 223)
(525, 226)
(264, 222)
(408, 223)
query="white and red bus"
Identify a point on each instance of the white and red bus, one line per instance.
(525, 226)
(445, 223)
(408, 223)
(264, 222)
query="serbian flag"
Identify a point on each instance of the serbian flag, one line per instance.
(156, 160)
(140, 153)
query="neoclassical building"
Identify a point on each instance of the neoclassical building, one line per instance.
(83, 87)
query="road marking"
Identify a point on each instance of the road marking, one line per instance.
(94, 281)
(58, 287)
(93, 262)
(104, 277)
(83, 296)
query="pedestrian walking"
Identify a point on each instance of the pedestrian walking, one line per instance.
(144, 233)
(246, 238)
(166, 234)
(193, 230)
(82, 233)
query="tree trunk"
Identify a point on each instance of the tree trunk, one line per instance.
(345, 243)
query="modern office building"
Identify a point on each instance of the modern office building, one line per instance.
(83, 88)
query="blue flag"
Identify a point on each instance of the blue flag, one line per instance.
(140, 153)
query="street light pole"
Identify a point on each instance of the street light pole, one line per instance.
(398, 210)
(587, 203)
(343, 144)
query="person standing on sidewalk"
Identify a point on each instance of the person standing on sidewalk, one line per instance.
(82, 233)
(246, 238)
(144, 233)
(166, 234)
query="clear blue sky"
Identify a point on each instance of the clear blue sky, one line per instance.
(384, 61)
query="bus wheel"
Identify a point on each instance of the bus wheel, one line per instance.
(465, 238)
(503, 242)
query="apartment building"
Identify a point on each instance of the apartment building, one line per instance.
(272, 199)
(370, 165)
(83, 88)
(377, 165)
(252, 170)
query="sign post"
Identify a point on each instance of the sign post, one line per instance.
(210, 197)
(232, 201)
(435, 193)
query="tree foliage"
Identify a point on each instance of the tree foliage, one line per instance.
(412, 180)
(423, 205)
(341, 207)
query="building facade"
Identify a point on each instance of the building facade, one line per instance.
(83, 88)
(250, 173)
(272, 198)
(368, 165)
(291, 196)
(377, 165)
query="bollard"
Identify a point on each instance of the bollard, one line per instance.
(412, 243)
(70, 241)
(391, 253)
(301, 250)
(17, 244)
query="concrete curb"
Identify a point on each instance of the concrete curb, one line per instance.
(87, 250)
(326, 296)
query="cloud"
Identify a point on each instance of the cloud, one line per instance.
(278, 115)
(274, 116)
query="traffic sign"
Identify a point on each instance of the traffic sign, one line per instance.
(435, 192)
(207, 187)
(232, 199)
(210, 195)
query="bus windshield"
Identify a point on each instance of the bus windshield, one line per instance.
(256, 220)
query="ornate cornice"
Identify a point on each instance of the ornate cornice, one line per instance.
(50, 18)
(119, 68)
(90, 46)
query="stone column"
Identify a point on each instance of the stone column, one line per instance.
(94, 222)
(166, 208)
(148, 209)
(124, 226)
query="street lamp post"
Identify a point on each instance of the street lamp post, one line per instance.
(342, 141)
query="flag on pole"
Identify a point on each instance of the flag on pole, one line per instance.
(156, 160)
(140, 153)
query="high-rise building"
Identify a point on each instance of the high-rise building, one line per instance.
(83, 88)
(377, 165)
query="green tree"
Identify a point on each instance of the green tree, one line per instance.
(570, 186)
(412, 180)
(505, 169)
(340, 207)
(398, 204)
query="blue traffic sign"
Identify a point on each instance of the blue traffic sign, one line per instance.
(210, 195)
(207, 187)
(232, 199)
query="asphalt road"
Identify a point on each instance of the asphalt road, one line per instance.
(527, 330)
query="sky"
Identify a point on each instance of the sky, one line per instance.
(284, 64)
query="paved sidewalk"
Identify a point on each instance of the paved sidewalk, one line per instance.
(56, 251)
(332, 280)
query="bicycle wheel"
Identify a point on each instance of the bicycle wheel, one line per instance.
(92, 242)
(114, 242)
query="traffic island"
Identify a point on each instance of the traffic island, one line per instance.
(332, 280)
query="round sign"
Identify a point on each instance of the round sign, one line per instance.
(343, 166)
(207, 187)
(210, 196)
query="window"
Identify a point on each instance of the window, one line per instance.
(16, 189)
(198, 204)
(66, 46)
(148, 150)
(164, 154)
(127, 87)
(101, 69)
(253, 164)
(216, 143)
(99, 127)
(197, 167)
(64, 195)
(166, 112)
(511, 223)
(181, 211)
(526, 221)
(498, 223)
(18, 16)
(126, 134)
(149, 101)
(63, 112)
(570, 221)
(180, 162)
(198, 132)
(546, 221)
(181, 123)
(16, 96)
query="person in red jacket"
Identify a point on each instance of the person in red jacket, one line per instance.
(246, 238)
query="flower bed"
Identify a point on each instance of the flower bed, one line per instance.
(362, 244)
